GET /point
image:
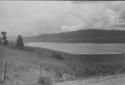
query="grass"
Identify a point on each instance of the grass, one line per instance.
(45, 81)
(23, 65)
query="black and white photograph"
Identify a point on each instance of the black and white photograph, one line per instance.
(62, 42)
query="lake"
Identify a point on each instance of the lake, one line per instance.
(81, 48)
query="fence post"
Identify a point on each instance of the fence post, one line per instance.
(40, 70)
(4, 73)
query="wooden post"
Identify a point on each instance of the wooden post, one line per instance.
(40, 70)
(4, 73)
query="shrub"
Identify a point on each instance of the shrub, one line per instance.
(45, 81)
(57, 56)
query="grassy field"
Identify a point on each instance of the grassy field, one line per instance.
(23, 66)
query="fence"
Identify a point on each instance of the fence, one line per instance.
(3, 66)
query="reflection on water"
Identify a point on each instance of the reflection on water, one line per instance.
(81, 48)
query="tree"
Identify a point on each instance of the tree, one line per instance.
(0, 41)
(19, 43)
(4, 38)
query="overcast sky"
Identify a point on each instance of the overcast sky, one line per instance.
(36, 17)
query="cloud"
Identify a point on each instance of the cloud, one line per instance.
(36, 17)
(71, 28)
(32, 17)
(98, 14)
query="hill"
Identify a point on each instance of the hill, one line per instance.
(82, 36)
(23, 65)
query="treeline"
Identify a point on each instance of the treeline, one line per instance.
(4, 41)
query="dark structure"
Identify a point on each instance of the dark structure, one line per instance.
(19, 43)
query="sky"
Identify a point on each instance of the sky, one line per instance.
(31, 18)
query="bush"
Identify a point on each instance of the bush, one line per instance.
(57, 56)
(45, 81)
(98, 70)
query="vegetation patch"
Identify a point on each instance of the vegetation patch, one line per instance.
(45, 81)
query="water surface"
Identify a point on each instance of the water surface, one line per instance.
(81, 48)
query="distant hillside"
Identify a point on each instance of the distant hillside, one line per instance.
(82, 36)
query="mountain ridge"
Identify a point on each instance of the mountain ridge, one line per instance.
(82, 36)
